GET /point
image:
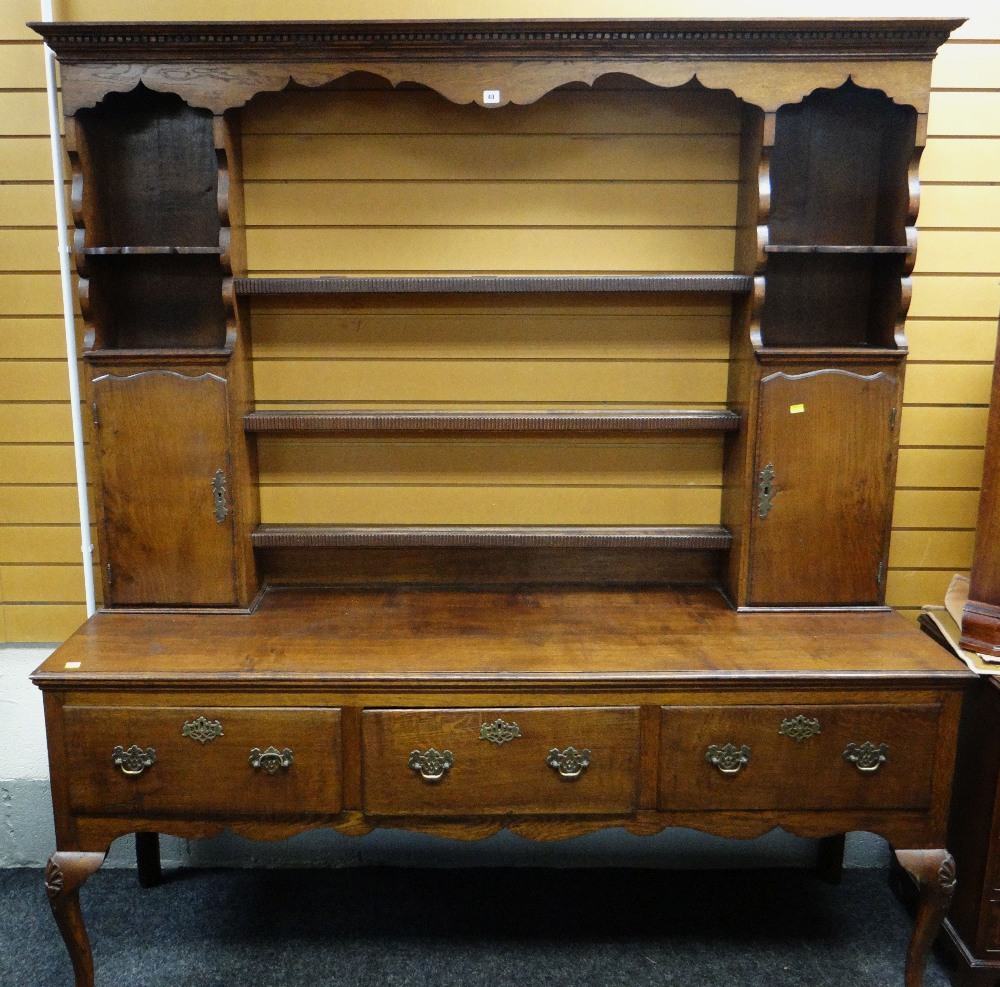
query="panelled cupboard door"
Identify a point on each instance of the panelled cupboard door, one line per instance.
(826, 463)
(163, 461)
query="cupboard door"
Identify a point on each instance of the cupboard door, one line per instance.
(825, 467)
(163, 460)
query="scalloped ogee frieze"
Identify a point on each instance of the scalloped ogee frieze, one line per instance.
(767, 84)
(101, 832)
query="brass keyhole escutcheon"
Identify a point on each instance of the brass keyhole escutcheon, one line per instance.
(800, 728)
(765, 491)
(499, 732)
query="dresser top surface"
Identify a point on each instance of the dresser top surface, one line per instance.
(403, 637)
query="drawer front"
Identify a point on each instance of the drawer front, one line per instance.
(474, 762)
(198, 770)
(773, 757)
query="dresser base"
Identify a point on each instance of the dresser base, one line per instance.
(464, 713)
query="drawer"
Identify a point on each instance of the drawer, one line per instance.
(774, 757)
(198, 770)
(473, 762)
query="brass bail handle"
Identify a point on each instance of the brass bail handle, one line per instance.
(730, 760)
(570, 763)
(272, 760)
(432, 765)
(867, 757)
(134, 761)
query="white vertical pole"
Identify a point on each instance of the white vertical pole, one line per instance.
(62, 223)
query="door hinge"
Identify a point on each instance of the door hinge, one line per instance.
(97, 420)
(892, 420)
(110, 576)
(880, 573)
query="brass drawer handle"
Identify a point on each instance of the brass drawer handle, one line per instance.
(133, 761)
(272, 760)
(867, 758)
(801, 728)
(729, 760)
(431, 765)
(203, 730)
(499, 732)
(570, 763)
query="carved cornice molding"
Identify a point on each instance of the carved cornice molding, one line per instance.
(322, 41)
(220, 66)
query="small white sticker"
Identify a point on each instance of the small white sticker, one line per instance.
(797, 409)
(73, 664)
(491, 97)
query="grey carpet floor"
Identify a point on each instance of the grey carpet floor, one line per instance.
(363, 927)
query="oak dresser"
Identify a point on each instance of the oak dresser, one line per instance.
(549, 678)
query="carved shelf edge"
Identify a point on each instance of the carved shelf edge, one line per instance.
(493, 284)
(151, 251)
(835, 249)
(159, 357)
(777, 356)
(306, 422)
(712, 537)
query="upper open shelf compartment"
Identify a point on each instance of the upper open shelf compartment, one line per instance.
(149, 241)
(156, 302)
(839, 171)
(150, 175)
(839, 227)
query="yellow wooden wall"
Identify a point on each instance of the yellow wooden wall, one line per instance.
(407, 182)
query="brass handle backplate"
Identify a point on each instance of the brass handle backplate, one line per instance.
(133, 761)
(867, 758)
(729, 760)
(272, 760)
(569, 763)
(431, 765)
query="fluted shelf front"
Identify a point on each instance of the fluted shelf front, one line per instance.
(495, 284)
(712, 537)
(313, 422)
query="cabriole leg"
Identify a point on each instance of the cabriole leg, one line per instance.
(934, 872)
(64, 876)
